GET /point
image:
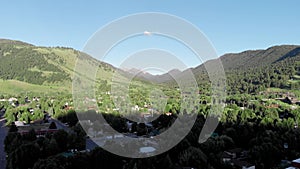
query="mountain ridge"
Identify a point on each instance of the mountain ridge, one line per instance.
(42, 65)
(55, 65)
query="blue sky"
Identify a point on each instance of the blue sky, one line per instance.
(231, 26)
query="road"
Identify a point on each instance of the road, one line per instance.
(90, 144)
(3, 132)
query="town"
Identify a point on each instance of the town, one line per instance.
(46, 118)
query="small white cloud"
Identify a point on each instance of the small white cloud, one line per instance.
(147, 33)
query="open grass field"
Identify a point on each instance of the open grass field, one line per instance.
(296, 92)
(17, 87)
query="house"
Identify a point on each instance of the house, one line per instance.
(135, 108)
(234, 153)
(36, 99)
(290, 100)
(41, 129)
(296, 163)
(13, 101)
(19, 123)
(242, 164)
(27, 100)
(31, 110)
(168, 114)
(226, 157)
(237, 157)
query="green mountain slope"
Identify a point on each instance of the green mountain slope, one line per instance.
(53, 68)
(255, 70)
(16, 87)
(48, 66)
(256, 58)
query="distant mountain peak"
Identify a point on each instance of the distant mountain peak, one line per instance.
(29, 63)
(174, 71)
(136, 71)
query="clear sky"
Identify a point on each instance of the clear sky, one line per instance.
(231, 26)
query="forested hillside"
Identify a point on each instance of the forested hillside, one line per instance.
(246, 72)
(254, 71)
(39, 65)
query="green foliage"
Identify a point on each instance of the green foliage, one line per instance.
(13, 128)
(49, 163)
(61, 138)
(24, 151)
(49, 67)
(18, 63)
(24, 156)
(253, 119)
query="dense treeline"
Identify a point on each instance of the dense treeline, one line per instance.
(31, 108)
(25, 150)
(264, 145)
(25, 64)
(282, 75)
(254, 71)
